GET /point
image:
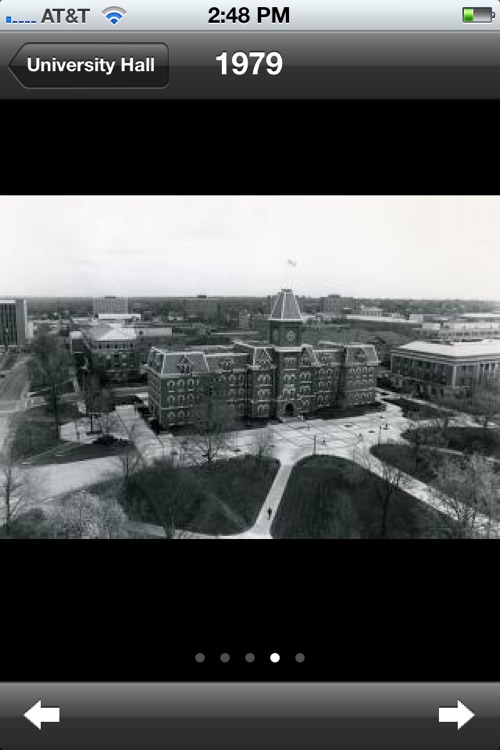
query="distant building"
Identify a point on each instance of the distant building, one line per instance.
(280, 378)
(439, 368)
(461, 330)
(244, 320)
(118, 317)
(13, 323)
(373, 312)
(110, 305)
(207, 309)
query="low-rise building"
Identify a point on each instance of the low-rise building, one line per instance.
(118, 351)
(440, 368)
(460, 330)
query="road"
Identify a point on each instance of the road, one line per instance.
(12, 387)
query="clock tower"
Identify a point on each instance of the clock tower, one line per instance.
(285, 321)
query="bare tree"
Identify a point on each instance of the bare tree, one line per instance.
(389, 481)
(483, 402)
(469, 489)
(86, 515)
(51, 365)
(105, 406)
(129, 460)
(17, 490)
(168, 491)
(417, 437)
(213, 418)
(262, 446)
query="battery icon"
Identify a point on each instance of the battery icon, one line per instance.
(477, 15)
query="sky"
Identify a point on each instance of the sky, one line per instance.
(361, 246)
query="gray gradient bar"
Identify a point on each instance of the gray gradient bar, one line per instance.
(324, 65)
(250, 699)
(194, 15)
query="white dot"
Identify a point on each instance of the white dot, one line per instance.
(275, 658)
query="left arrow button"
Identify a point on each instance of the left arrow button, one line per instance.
(38, 714)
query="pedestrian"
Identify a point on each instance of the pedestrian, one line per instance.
(269, 514)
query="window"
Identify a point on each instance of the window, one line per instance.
(180, 385)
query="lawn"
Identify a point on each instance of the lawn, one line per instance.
(403, 457)
(470, 439)
(224, 498)
(416, 411)
(66, 453)
(336, 412)
(333, 498)
(35, 429)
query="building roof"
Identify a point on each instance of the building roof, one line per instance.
(454, 349)
(119, 316)
(286, 307)
(146, 332)
(107, 332)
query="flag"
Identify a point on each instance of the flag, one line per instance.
(292, 263)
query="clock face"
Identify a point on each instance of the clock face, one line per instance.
(291, 336)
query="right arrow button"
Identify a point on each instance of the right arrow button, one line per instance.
(459, 715)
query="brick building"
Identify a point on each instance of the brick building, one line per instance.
(280, 378)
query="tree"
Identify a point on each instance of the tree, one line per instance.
(262, 446)
(50, 365)
(106, 406)
(417, 437)
(212, 418)
(129, 461)
(389, 480)
(483, 401)
(469, 489)
(86, 515)
(17, 490)
(168, 492)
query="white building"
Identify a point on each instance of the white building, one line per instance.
(110, 305)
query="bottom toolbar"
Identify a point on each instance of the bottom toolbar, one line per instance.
(249, 65)
(249, 714)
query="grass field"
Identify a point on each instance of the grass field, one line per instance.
(471, 439)
(333, 498)
(222, 499)
(35, 429)
(415, 411)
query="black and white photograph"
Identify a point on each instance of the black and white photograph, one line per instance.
(249, 367)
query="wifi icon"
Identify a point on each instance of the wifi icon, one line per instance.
(114, 14)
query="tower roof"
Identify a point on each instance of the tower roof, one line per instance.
(286, 307)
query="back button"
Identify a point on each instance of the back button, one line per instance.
(99, 65)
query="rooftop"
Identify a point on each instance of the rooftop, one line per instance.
(455, 349)
(286, 307)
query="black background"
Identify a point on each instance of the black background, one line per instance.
(142, 610)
